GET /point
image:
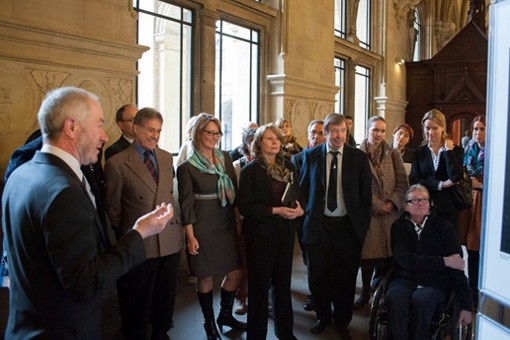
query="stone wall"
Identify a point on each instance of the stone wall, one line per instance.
(76, 43)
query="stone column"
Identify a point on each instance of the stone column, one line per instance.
(301, 86)
(205, 68)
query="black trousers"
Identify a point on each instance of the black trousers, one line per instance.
(269, 251)
(333, 262)
(147, 295)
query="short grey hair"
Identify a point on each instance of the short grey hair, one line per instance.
(60, 104)
(145, 114)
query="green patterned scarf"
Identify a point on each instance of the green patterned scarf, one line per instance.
(226, 189)
(276, 170)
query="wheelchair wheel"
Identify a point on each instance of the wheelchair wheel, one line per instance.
(378, 315)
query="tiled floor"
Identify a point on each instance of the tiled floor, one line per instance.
(188, 319)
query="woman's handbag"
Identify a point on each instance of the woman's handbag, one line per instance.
(462, 193)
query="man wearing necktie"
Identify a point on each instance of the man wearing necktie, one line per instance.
(337, 181)
(60, 268)
(137, 179)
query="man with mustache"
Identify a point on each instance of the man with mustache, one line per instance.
(336, 179)
(137, 179)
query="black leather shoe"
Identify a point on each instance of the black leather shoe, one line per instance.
(344, 332)
(308, 305)
(319, 326)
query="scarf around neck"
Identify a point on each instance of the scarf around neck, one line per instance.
(276, 170)
(225, 187)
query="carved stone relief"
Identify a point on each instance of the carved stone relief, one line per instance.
(17, 104)
(300, 112)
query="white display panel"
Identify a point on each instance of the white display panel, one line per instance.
(495, 249)
(488, 329)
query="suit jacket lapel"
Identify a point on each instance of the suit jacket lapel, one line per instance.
(139, 169)
(165, 169)
(428, 157)
(43, 157)
(321, 165)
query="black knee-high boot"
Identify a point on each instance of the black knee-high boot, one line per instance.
(206, 302)
(225, 317)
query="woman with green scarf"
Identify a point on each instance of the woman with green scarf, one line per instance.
(270, 201)
(207, 192)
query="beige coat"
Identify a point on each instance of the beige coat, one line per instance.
(389, 184)
(131, 192)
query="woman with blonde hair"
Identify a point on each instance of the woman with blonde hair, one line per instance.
(290, 146)
(207, 192)
(438, 165)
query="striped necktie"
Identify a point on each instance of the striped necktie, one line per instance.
(150, 165)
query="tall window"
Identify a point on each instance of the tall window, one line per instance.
(361, 101)
(340, 81)
(237, 79)
(363, 23)
(415, 34)
(340, 24)
(165, 69)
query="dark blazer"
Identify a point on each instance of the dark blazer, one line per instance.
(420, 259)
(120, 145)
(450, 167)
(256, 201)
(60, 267)
(356, 186)
(93, 173)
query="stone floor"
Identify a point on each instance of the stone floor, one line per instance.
(188, 319)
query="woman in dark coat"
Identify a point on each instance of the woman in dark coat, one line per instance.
(207, 189)
(270, 228)
(438, 165)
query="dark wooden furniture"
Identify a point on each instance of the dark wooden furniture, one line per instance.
(453, 81)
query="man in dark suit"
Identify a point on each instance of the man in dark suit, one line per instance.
(137, 179)
(124, 118)
(337, 181)
(55, 241)
(93, 173)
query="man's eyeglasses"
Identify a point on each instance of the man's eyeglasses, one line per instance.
(416, 201)
(214, 133)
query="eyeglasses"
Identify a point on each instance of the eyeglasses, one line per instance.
(127, 120)
(214, 133)
(416, 201)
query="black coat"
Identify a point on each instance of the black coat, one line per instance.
(59, 266)
(420, 260)
(450, 167)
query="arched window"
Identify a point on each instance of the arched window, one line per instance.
(415, 34)
(364, 23)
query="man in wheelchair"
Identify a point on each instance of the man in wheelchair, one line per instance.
(428, 265)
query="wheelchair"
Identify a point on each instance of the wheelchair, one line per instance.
(444, 325)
